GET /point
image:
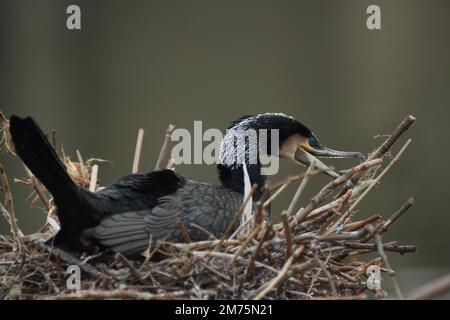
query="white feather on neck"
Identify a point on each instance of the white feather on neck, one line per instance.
(247, 213)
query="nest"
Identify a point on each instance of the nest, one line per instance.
(321, 251)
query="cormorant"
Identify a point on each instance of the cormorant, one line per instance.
(123, 216)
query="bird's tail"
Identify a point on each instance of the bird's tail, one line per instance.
(39, 156)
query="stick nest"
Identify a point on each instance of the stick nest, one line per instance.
(321, 251)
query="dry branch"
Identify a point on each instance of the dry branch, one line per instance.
(433, 289)
(137, 151)
(164, 148)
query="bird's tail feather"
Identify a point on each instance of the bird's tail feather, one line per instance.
(39, 156)
(76, 206)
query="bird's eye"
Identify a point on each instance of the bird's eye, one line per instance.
(313, 141)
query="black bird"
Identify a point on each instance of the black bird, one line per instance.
(138, 207)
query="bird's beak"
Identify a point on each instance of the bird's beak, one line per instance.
(324, 152)
(306, 154)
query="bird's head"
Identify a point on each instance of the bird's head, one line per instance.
(295, 141)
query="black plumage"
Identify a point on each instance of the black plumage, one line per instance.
(209, 206)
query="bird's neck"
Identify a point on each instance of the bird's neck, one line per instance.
(232, 177)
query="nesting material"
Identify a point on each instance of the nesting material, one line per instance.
(321, 251)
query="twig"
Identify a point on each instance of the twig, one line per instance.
(433, 289)
(361, 296)
(257, 251)
(171, 164)
(393, 137)
(203, 244)
(388, 266)
(266, 288)
(127, 294)
(246, 242)
(345, 216)
(184, 231)
(359, 224)
(397, 214)
(137, 151)
(5, 141)
(135, 272)
(227, 256)
(325, 191)
(344, 235)
(242, 226)
(93, 183)
(210, 235)
(164, 148)
(9, 206)
(83, 170)
(327, 273)
(37, 188)
(288, 234)
(387, 247)
(300, 188)
(6, 215)
(89, 269)
(387, 144)
(296, 177)
(276, 194)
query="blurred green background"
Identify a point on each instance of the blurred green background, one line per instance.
(149, 63)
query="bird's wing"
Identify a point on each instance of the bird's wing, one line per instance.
(123, 232)
(130, 232)
(208, 206)
(136, 192)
